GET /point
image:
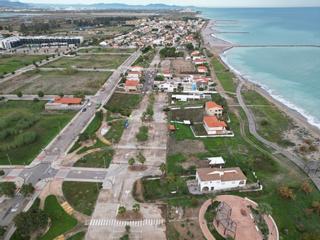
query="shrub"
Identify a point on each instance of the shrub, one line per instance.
(286, 192)
(306, 187)
(142, 135)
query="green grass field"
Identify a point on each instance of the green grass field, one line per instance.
(61, 222)
(10, 63)
(101, 159)
(107, 50)
(90, 61)
(123, 103)
(225, 76)
(31, 119)
(271, 122)
(82, 196)
(115, 132)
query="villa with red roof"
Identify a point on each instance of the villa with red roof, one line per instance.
(213, 109)
(214, 126)
(200, 61)
(202, 69)
(131, 85)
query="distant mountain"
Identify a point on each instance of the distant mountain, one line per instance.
(106, 6)
(12, 4)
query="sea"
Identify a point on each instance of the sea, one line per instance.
(290, 74)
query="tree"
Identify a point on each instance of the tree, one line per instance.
(163, 168)
(2, 231)
(40, 94)
(121, 210)
(61, 95)
(2, 172)
(265, 209)
(30, 221)
(127, 227)
(190, 47)
(27, 189)
(19, 94)
(131, 161)
(141, 158)
(136, 207)
(7, 188)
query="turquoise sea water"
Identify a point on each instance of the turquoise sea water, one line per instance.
(291, 75)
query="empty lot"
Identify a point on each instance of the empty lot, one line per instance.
(90, 61)
(55, 82)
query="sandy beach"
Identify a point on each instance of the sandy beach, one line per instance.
(218, 47)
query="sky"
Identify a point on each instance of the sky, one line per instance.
(198, 3)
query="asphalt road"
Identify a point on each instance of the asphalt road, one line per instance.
(43, 167)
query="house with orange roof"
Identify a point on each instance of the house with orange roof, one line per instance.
(200, 61)
(213, 109)
(64, 103)
(214, 126)
(195, 53)
(131, 85)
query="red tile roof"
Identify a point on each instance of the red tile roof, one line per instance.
(212, 121)
(204, 68)
(68, 100)
(213, 105)
(131, 83)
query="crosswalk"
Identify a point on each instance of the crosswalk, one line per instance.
(115, 222)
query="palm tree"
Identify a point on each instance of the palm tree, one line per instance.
(121, 210)
(136, 207)
(141, 158)
(131, 161)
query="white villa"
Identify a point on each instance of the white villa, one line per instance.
(214, 126)
(211, 179)
(213, 109)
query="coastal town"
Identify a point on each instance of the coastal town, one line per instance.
(129, 125)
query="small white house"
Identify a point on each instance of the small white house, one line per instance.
(211, 179)
(216, 161)
(134, 75)
(213, 109)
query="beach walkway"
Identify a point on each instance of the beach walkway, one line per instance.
(253, 130)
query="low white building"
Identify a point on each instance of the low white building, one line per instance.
(212, 179)
(216, 161)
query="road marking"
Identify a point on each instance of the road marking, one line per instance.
(114, 222)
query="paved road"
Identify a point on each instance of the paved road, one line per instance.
(46, 164)
(253, 130)
(151, 72)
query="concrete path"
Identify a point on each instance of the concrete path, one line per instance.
(120, 180)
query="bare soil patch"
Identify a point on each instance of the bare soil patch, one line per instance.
(185, 147)
(181, 66)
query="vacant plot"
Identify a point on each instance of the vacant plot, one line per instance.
(123, 103)
(25, 129)
(10, 63)
(56, 82)
(60, 221)
(181, 66)
(107, 50)
(82, 196)
(101, 159)
(90, 61)
(193, 115)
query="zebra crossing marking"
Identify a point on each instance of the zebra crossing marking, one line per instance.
(114, 222)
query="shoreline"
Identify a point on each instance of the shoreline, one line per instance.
(214, 45)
